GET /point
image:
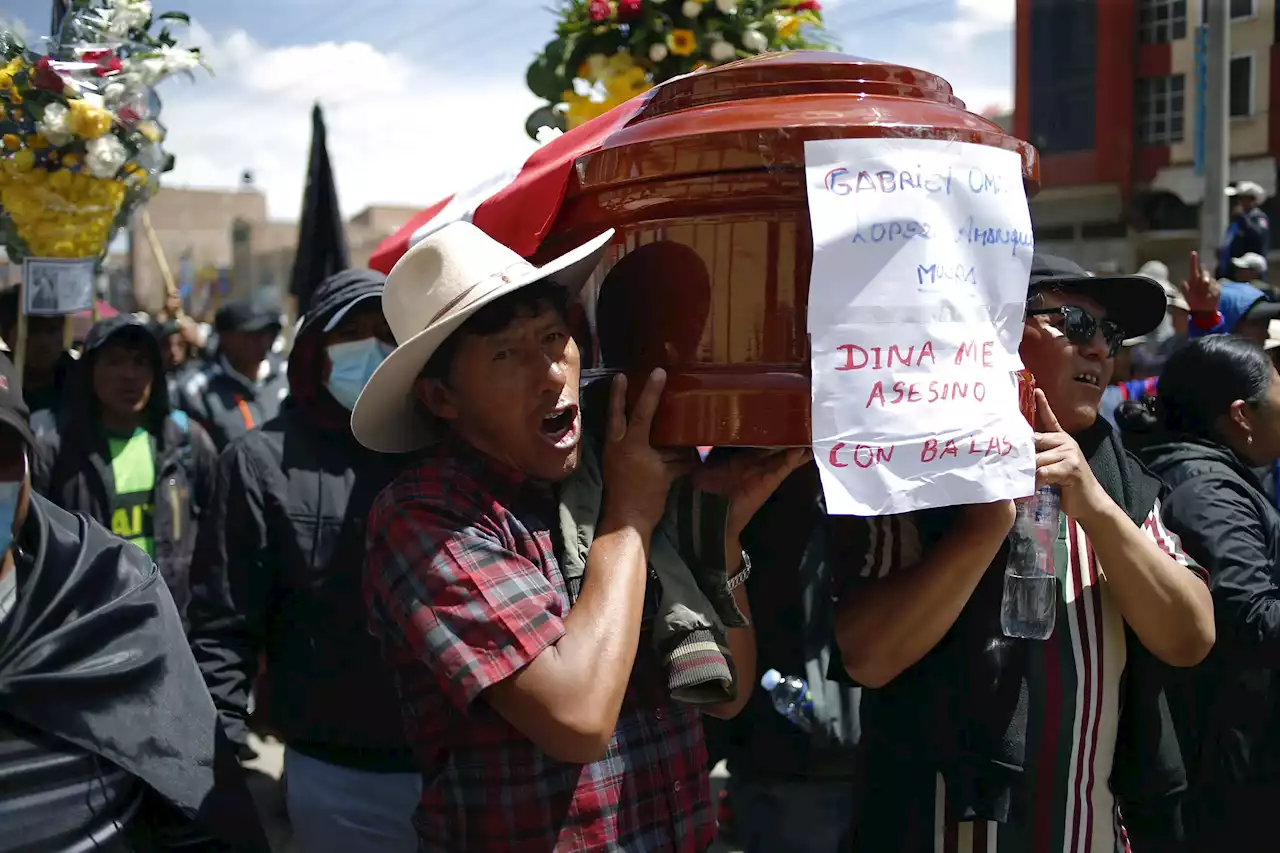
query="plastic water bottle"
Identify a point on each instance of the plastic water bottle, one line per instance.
(790, 697)
(1030, 604)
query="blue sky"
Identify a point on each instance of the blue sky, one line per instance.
(423, 97)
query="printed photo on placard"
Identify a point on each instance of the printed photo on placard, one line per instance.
(54, 287)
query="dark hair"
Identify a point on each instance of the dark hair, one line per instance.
(1202, 379)
(496, 316)
(9, 309)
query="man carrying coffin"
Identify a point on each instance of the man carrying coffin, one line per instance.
(540, 718)
(976, 741)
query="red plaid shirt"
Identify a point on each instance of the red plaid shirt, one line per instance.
(464, 590)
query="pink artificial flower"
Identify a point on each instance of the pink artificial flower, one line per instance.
(630, 10)
(43, 76)
(600, 10)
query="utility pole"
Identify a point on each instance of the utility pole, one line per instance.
(1217, 130)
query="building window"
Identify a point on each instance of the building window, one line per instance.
(1162, 21)
(1063, 77)
(1241, 93)
(1242, 9)
(1161, 109)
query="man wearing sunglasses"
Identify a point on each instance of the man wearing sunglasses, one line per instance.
(978, 741)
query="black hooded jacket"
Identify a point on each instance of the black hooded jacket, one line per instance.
(106, 730)
(279, 567)
(72, 463)
(1230, 726)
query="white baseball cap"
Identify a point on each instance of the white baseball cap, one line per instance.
(1251, 261)
(1249, 188)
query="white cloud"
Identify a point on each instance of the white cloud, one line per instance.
(976, 18)
(17, 25)
(400, 130)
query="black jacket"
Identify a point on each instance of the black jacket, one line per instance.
(793, 545)
(72, 465)
(95, 672)
(279, 570)
(1249, 231)
(1229, 723)
(228, 406)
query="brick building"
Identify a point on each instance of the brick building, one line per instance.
(227, 246)
(1106, 90)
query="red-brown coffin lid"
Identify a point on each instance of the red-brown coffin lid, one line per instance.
(757, 113)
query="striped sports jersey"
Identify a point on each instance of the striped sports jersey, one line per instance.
(1073, 714)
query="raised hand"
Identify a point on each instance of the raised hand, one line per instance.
(637, 477)
(1061, 463)
(748, 479)
(1201, 289)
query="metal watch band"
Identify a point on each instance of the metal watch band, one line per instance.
(741, 577)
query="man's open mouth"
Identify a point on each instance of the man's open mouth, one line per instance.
(560, 427)
(1087, 379)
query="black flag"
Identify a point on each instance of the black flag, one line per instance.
(322, 240)
(60, 9)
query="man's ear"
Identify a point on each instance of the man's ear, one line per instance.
(437, 397)
(1240, 419)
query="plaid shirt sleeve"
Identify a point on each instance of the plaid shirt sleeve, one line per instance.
(449, 593)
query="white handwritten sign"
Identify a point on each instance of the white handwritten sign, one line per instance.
(921, 258)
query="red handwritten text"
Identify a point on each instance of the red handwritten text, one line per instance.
(969, 351)
(976, 446)
(878, 358)
(859, 454)
(924, 392)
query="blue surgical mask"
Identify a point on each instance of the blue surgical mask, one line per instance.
(9, 494)
(353, 364)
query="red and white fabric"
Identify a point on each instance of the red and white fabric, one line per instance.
(517, 207)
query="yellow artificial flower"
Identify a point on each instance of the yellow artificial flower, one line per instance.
(621, 61)
(14, 67)
(59, 213)
(15, 97)
(23, 161)
(6, 81)
(682, 42)
(86, 120)
(12, 142)
(149, 131)
(70, 161)
(788, 26)
(625, 86)
(36, 141)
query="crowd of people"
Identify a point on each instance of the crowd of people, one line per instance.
(483, 612)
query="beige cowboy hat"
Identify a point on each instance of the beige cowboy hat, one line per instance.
(430, 292)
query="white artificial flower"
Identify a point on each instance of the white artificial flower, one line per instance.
(722, 51)
(546, 134)
(160, 64)
(104, 156)
(756, 41)
(132, 14)
(727, 6)
(53, 125)
(658, 52)
(114, 93)
(691, 8)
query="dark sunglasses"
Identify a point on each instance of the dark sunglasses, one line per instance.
(1080, 326)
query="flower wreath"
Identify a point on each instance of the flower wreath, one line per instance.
(80, 140)
(608, 51)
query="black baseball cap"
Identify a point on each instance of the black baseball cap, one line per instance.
(14, 413)
(1135, 302)
(245, 315)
